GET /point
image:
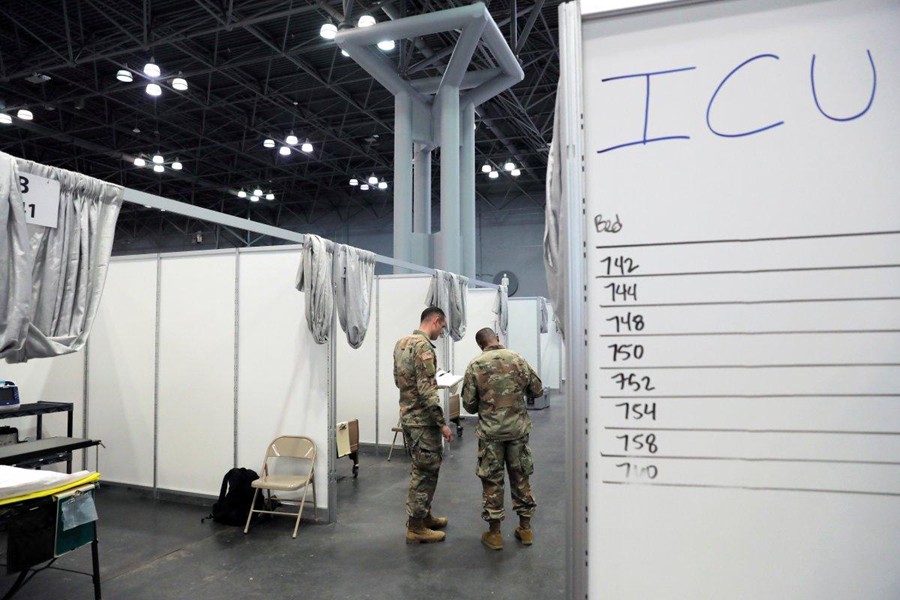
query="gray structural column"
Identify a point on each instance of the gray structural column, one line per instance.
(403, 192)
(449, 257)
(422, 186)
(467, 189)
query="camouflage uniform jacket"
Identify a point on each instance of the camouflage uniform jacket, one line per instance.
(495, 387)
(414, 368)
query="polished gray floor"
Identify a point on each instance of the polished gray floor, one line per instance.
(160, 550)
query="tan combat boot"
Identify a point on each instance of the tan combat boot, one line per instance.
(417, 533)
(524, 532)
(432, 522)
(492, 538)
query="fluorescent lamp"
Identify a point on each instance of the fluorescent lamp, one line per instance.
(382, 185)
(270, 196)
(269, 143)
(284, 151)
(354, 182)
(159, 168)
(25, 114)
(328, 31)
(158, 159)
(515, 172)
(180, 84)
(365, 21)
(5, 119)
(291, 139)
(242, 194)
(177, 166)
(140, 162)
(257, 192)
(254, 199)
(124, 75)
(494, 174)
(306, 147)
(387, 45)
(364, 187)
(373, 180)
(154, 90)
(151, 69)
(509, 166)
(486, 168)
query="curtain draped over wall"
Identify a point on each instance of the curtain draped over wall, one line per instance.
(449, 291)
(64, 267)
(556, 221)
(545, 315)
(354, 272)
(501, 310)
(315, 278)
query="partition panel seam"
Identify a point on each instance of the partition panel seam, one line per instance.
(156, 378)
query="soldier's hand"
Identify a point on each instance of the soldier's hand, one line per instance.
(448, 435)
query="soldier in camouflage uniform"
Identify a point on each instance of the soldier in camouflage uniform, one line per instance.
(495, 386)
(423, 423)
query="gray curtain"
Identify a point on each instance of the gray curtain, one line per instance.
(68, 263)
(354, 272)
(316, 280)
(556, 222)
(449, 292)
(16, 262)
(501, 310)
(545, 315)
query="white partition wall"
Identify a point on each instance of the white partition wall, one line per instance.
(196, 372)
(122, 370)
(480, 314)
(524, 329)
(283, 373)
(551, 353)
(401, 300)
(357, 379)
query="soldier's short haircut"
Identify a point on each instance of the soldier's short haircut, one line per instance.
(484, 337)
(430, 312)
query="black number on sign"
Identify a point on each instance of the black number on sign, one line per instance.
(23, 183)
(639, 442)
(638, 472)
(621, 265)
(633, 382)
(622, 291)
(31, 207)
(628, 322)
(637, 411)
(626, 352)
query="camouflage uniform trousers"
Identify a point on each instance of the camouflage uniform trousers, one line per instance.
(425, 450)
(516, 456)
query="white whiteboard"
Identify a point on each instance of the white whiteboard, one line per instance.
(283, 373)
(754, 228)
(122, 370)
(196, 372)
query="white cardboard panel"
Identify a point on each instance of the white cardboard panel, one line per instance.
(196, 373)
(357, 378)
(401, 300)
(480, 313)
(121, 367)
(283, 382)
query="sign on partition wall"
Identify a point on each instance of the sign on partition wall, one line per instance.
(40, 196)
(743, 235)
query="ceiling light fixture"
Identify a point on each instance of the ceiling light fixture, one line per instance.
(140, 162)
(328, 31)
(268, 143)
(5, 119)
(292, 139)
(284, 151)
(306, 147)
(153, 89)
(366, 21)
(494, 174)
(158, 159)
(387, 45)
(345, 53)
(254, 199)
(151, 69)
(177, 166)
(242, 194)
(354, 182)
(373, 180)
(180, 83)
(515, 172)
(25, 114)
(486, 168)
(364, 187)
(270, 196)
(382, 185)
(124, 75)
(257, 192)
(159, 168)
(509, 166)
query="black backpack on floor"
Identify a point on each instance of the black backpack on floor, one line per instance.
(235, 498)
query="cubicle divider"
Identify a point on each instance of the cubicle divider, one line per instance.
(524, 329)
(357, 378)
(480, 313)
(551, 353)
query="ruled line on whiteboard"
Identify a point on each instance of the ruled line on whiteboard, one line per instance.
(752, 488)
(623, 367)
(785, 332)
(749, 271)
(745, 302)
(837, 461)
(751, 240)
(745, 396)
(739, 430)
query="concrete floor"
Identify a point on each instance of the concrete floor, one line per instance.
(160, 550)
